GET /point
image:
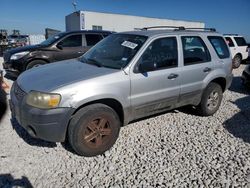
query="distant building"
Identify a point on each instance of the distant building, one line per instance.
(81, 20)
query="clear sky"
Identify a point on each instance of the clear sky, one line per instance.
(33, 16)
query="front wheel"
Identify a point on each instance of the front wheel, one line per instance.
(93, 130)
(211, 99)
(35, 63)
(237, 61)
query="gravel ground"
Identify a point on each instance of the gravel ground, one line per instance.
(176, 149)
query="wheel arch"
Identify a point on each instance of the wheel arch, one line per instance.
(31, 60)
(112, 103)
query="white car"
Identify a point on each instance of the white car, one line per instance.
(238, 48)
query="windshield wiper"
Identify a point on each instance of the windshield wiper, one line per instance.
(93, 62)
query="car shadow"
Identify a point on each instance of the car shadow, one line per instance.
(22, 133)
(239, 124)
(238, 87)
(8, 181)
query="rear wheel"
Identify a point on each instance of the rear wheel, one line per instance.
(211, 100)
(237, 61)
(35, 63)
(93, 130)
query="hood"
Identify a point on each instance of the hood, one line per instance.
(52, 76)
(25, 48)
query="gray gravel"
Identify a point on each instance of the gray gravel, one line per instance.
(177, 149)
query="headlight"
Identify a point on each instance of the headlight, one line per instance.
(18, 55)
(43, 100)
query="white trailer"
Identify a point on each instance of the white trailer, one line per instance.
(82, 20)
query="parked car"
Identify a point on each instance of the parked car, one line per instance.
(3, 98)
(125, 77)
(246, 76)
(238, 48)
(65, 45)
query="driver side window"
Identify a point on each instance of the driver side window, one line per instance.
(160, 54)
(72, 41)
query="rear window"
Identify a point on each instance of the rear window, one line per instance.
(229, 42)
(240, 41)
(220, 46)
(92, 39)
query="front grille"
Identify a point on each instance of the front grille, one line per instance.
(19, 93)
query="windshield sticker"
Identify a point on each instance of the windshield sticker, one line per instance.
(124, 59)
(129, 44)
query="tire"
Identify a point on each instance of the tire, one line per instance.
(211, 100)
(3, 102)
(35, 63)
(86, 132)
(237, 61)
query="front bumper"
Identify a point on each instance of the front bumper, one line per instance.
(50, 125)
(246, 78)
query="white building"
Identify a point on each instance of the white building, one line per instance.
(117, 22)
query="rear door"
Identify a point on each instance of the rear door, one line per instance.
(195, 68)
(157, 88)
(242, 46)
(71, 47)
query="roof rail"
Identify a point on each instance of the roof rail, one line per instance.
(201, 28)
(169, 27)
(180, 28)
(231, 34)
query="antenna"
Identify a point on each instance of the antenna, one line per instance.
(74, 4)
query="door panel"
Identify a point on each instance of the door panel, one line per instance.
(158, 87)
(196, 66)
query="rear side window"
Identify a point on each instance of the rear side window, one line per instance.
(229, 41)
(72, 41)
(194, 50)
(92, 39)
(240, 41)
(220, 46)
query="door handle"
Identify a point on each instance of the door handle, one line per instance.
(207, 69)
(172, 76)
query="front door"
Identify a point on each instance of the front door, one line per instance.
(69, 48)
(155, 84)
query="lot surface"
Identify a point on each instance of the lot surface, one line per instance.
(176, 149)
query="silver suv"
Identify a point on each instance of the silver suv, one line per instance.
(125, 77)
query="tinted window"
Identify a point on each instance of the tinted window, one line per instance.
(240, 41)
(162, 53)
(194, 50)
(220, 46)
(72, 41)
(229, 42)
(92, 39)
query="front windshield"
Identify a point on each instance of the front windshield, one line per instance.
(52, 39)
(115, 51)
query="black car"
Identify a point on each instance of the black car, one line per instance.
(65, 45)
(3, 98)
(246, 76)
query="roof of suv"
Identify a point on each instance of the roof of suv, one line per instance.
(154, 32)
(88, 31)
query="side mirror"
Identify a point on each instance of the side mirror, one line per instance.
(59, 45)
(146, 66)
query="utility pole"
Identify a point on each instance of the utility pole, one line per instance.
(74, 4)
